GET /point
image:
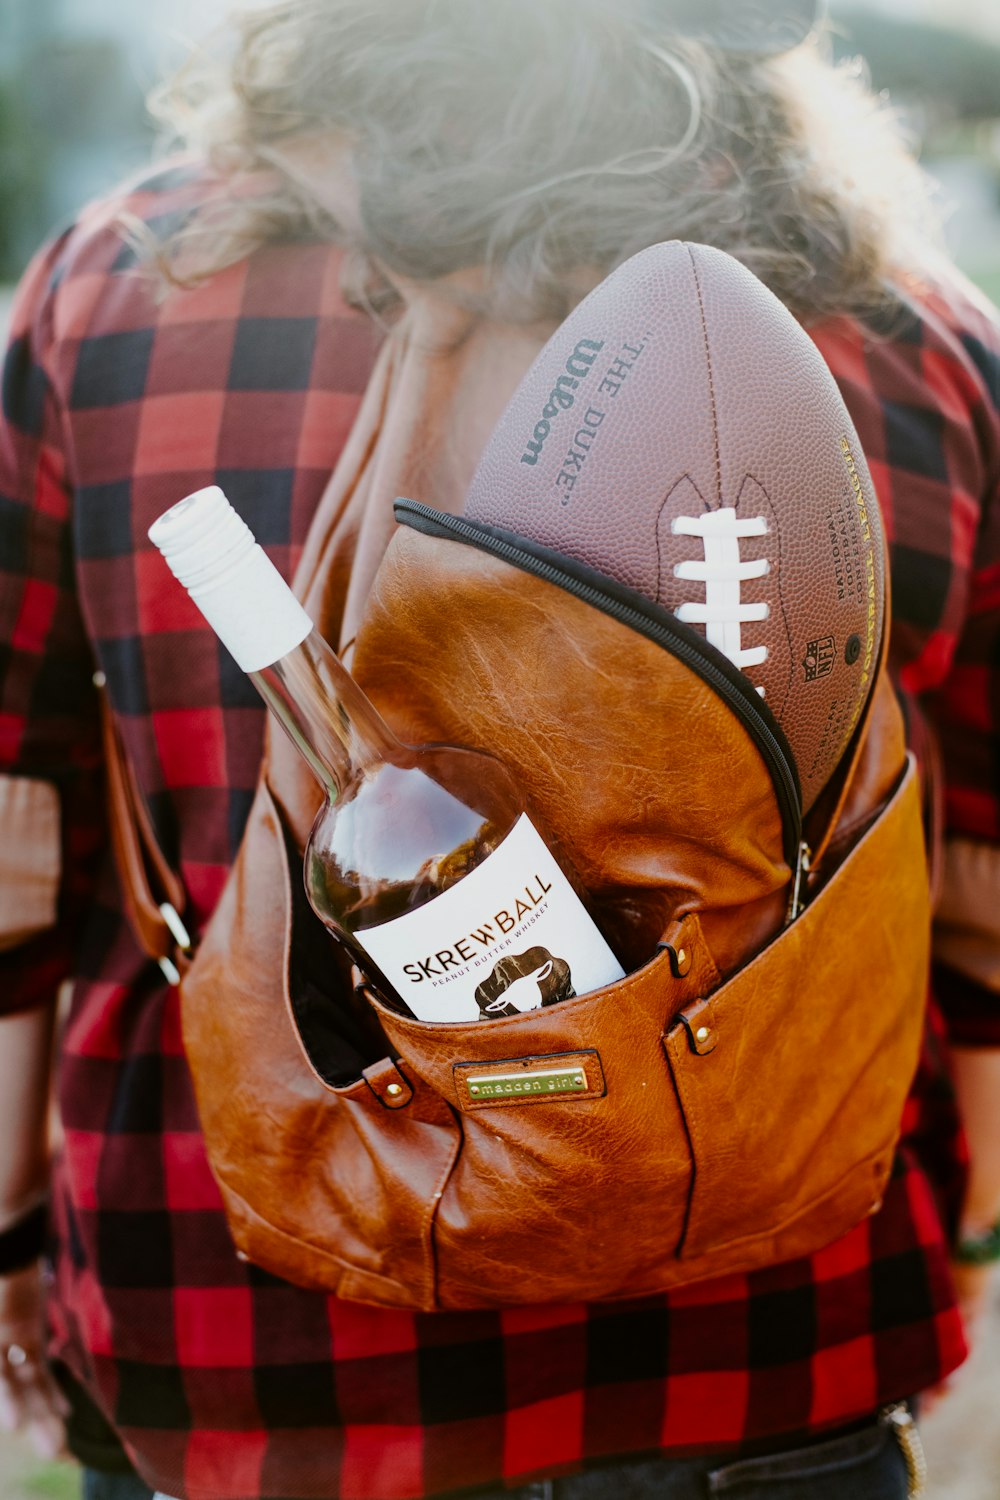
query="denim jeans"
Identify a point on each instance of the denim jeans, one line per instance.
(862, 1465)
(97, 1485)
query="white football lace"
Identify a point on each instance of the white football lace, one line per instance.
(723, 572)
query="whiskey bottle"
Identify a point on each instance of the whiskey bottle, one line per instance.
(422, 860)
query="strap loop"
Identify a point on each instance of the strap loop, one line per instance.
(154, 895)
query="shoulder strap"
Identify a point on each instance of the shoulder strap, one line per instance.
(154, 895)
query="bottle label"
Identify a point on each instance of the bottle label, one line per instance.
(511, 936)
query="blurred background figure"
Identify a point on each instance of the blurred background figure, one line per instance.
(74, 75)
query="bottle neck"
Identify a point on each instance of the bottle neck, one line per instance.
(330, 721)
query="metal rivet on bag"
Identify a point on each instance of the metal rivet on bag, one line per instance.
(394, 1089)
(242, 1255)
(680, 960)
(702, 1034)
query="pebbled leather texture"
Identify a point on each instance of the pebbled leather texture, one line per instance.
(643, 782)
(750, 1095)
(807, 1058)
(763, 1141)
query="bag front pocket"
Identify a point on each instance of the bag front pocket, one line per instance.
(793, 1075)
(573, 1178)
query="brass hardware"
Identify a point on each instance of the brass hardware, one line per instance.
(508, 1085)
(99, 680)
(394, 1089)
(516, 1081)
(680, 960)
(699, 1023)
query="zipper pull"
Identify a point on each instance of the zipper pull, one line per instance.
(802, 867)
(900, 1420)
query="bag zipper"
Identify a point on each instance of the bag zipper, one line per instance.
(650, 620)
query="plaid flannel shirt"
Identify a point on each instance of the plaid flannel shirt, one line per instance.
(225, 1383)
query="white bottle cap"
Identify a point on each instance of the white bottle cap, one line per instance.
(211, 550)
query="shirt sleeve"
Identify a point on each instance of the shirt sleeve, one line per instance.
(924, 393)
(51, 805)
(966, 713)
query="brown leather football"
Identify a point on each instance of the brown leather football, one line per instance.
(681, 434)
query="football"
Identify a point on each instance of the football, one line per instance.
(681, 434)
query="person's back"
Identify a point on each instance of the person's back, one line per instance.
(225, 1383)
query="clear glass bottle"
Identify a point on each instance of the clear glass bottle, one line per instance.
(422, 860)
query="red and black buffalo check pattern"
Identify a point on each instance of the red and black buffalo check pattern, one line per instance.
(225, 1383)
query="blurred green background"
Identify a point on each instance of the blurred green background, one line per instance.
(23, 1477)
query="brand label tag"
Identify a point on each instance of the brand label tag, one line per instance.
(530, 1080)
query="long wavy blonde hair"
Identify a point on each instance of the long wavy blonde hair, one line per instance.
(538, 137)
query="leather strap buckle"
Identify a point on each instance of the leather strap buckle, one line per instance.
(181, 937)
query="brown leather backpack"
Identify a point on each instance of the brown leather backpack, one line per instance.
(736, 1100)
